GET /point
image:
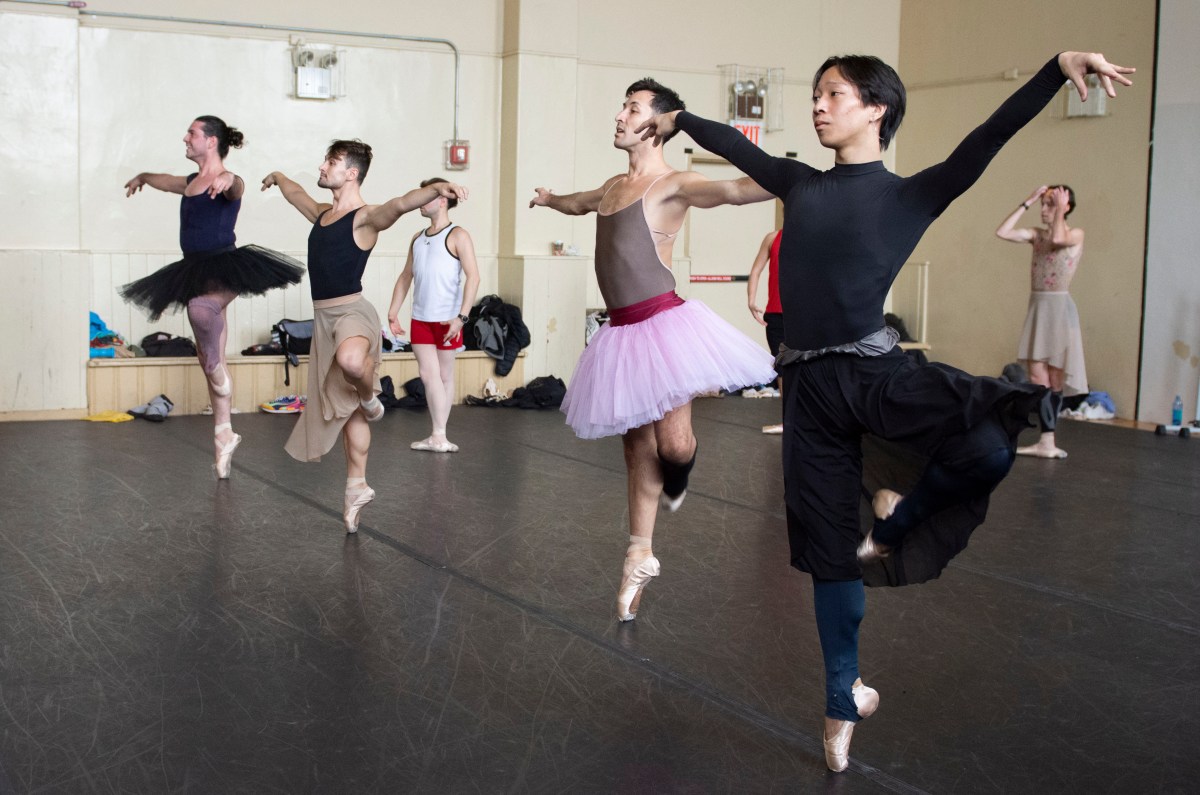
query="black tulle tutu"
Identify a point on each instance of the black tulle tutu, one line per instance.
(248, 270)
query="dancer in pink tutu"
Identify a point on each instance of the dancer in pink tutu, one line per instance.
(640, 372)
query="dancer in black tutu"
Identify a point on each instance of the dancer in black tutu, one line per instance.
(213, 270)
(846, 383)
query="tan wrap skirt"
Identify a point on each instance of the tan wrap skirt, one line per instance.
(331, 398)
(1052, 335)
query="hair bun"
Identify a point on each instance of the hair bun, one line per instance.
(236, 138)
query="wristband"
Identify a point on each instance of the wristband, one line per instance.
(1025, 205)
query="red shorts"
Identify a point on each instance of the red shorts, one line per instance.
(425, 333)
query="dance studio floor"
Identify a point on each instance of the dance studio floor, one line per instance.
(161, 632)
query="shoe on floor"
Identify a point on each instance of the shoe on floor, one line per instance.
(434, 447)
(285, 404)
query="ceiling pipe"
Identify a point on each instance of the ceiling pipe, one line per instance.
(82, 8)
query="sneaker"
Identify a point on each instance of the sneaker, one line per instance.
(288, 404)
(750, 393)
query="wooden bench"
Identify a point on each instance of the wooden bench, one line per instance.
(120, 384)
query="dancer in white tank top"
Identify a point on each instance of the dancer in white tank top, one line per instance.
(444, 277)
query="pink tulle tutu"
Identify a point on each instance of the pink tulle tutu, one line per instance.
(632, 375)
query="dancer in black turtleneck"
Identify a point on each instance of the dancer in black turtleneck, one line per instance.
(848, 232)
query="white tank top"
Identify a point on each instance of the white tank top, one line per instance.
(437, 278)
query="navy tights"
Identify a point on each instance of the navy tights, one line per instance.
(840, 606)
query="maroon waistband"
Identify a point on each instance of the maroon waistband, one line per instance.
(643, 310)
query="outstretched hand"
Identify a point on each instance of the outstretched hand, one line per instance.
(134, 185)
(269, 181)
(1076, 65)
(542, 199)
(659, 127)
(223, 182)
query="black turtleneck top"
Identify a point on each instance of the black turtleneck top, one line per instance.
(849, 230)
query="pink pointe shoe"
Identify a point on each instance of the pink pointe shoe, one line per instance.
(224, 462)
(837, 747)
(634, 579)
(355, 502)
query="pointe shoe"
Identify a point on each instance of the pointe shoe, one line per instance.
(634, 580)
(224, 462)
(671, 504)
(226, 387)
(869, 551)
(354, 506)
(884, 503)
(372, 409)
(837, 747)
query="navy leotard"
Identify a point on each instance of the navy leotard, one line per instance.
(206, 224)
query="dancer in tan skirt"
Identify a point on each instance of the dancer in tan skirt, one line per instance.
(343, 381)
(1051, 346)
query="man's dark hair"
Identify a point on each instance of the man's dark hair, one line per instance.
(355, 153)
(226, 136)
(877, 84)
(665, 100)
(451, 202)
(1070, 198)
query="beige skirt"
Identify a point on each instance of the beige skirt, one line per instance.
(331, 398)
(1052, 335)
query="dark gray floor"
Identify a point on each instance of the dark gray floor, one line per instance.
(160, 632)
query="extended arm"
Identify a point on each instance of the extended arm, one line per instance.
(295, 195)
(580, 203)
(760, 264)
(164, 182)
(381, 216)
(1008, 230)
(697, 191)
(934, 188)
(775, 174)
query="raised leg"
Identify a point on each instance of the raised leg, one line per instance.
(650, 451)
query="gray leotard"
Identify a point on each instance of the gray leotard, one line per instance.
(628, 267)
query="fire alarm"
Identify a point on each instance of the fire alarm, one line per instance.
(458, 154)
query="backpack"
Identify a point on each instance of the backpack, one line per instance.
(543, 392)
(160, 343)
(295, 337)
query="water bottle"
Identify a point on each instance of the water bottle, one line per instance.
(1177, 411)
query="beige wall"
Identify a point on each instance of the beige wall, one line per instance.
(91, 101)
(951, 57)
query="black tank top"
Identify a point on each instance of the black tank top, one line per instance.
(335, 262)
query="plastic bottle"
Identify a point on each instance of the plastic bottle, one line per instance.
(1177, 411)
